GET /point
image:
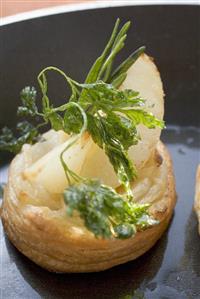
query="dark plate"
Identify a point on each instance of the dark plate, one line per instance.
(171, 269)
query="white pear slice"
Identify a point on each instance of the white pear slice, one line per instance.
(144, 77)
(48, 171)
(86, 158)
(50, 139)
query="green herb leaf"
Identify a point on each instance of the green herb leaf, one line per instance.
(119, 80)
(116, 134)
(120, 129)
(106, 97)
(56, 121)
(143, 117)
(125, 230)
(73, 120)
(105, 212)
(122, 165)
(27, 133)
(94, 71)
(96, 130)
(28, 98)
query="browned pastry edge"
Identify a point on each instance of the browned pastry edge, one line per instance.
(42, 240)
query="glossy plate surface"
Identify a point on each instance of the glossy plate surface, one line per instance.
(71, 41)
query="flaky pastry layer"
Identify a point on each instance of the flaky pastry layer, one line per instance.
(41, 229)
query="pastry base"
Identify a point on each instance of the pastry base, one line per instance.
(42, 238)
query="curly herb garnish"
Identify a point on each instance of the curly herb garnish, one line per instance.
(111, 117)
(105, 212)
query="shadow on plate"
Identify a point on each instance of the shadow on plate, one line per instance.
(183, 281)
(189, 136)
(186, 275)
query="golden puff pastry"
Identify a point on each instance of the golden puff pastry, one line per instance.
(61, 243)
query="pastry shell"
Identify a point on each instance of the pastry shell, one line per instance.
(41, 235)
